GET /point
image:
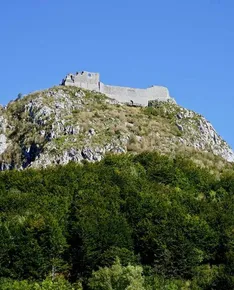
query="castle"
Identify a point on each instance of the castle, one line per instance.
(91, 81)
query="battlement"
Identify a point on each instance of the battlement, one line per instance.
(91, 81)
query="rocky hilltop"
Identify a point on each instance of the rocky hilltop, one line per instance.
(65, 124)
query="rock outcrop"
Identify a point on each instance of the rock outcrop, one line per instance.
(66, 124)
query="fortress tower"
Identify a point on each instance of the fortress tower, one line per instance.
(91, 81)
(85, 80)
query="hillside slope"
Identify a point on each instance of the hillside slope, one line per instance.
(65, 124)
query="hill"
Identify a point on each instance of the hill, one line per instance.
(65, 124)
(141, 197)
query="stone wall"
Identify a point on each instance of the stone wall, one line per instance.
(85, 80)
(91, 81)
(140, 96)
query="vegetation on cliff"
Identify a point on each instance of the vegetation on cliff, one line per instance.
(65, 124)
(128, 222)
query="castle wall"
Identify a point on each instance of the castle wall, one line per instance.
(84, 80)
(91, 81)
(139, 96)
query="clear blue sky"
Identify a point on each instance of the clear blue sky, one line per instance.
(186, 45)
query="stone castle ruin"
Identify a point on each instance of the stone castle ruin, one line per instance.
(91, 81)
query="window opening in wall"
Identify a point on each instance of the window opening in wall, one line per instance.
(89, 75)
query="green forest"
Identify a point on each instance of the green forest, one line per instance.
(134, 222)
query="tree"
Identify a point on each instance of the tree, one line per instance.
(118, 277)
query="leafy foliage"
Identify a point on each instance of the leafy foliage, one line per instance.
(128, 222)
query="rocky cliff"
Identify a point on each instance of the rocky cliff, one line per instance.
(65, 124)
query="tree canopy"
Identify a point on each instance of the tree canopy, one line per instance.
(128, 222)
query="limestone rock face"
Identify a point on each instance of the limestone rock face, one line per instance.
(3, 126)
(200, 134)
(65, 124)
(3, 143)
